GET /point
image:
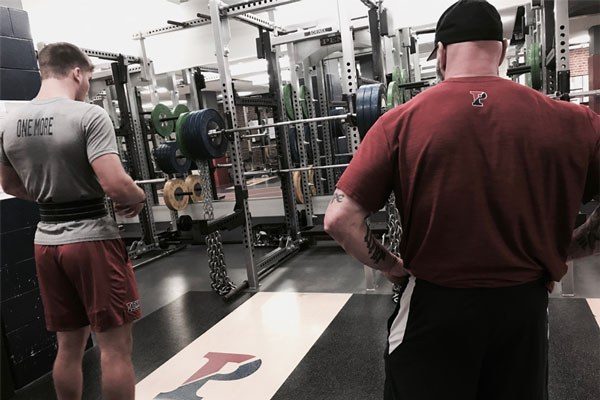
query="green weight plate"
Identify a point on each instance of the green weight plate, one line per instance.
(304, 99)
(288, 102)
(394, 95)
(533, 59)
(398, 75)
(179, 132)
(163, 128)
(180, 109)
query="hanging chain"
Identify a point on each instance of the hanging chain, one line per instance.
(394, 234)
(394, 228)
(220, 281)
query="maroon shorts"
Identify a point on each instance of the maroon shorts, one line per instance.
(87, 283)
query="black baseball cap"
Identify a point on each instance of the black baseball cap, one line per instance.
(467, 21)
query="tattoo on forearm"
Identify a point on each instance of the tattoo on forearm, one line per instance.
(376, 250)
(337, 197)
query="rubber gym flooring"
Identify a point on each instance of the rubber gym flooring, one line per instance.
(312, 332)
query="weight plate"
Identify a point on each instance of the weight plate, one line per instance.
(304, 99)
(370, 104)
(194, 136)
(163, 128)
(394, 95)
(288, 101)
(297, 183)
(178, 132)
(180, 109)
(170, 159)
(173, 194)
(215, 146)
(194, 186)
(191, 138)
(533, 57)
(294, 152)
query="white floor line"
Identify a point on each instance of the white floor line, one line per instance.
(595, 307)
(264, 340)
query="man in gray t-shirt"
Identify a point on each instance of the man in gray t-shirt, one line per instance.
(62, 153)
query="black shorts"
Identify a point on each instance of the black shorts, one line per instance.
(468, 344)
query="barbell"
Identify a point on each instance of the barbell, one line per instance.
(201, 135)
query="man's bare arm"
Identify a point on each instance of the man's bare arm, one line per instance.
(115, 182)
(586, 239)
(345, 221)
(11, 183)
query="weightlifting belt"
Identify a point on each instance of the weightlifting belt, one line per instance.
(72, 211)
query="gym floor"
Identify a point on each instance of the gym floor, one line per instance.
(312, 332)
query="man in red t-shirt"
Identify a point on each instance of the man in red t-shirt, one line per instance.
(488, 177)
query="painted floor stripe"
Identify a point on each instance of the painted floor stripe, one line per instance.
(250, 353)
(595, 307)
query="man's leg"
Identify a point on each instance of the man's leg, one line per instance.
(437, 340)
(67, 375)
(118, 378)
(516, 363)
(103, 275)
(66, 315)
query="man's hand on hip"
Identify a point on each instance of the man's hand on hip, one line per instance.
(396, 274)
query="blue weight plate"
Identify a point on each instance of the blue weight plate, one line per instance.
(215, 146)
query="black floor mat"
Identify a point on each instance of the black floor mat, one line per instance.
(347, 360)
(156, 338)
(574, 351)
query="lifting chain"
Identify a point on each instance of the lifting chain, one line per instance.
(216, 262)
(221, 283)
(394, 234)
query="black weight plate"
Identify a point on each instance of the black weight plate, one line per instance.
(166, 159)
(210, 119)
(198, 151)
(370, 101)
(192, 138)
(186, 137)
(294, 152)
(363, 99)
(378, 102)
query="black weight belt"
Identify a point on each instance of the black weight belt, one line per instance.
(72, 211)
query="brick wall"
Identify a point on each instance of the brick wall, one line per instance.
(578, 61)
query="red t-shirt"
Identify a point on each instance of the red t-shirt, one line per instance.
(489, 176)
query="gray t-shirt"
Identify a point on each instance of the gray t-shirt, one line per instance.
(51, 144)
